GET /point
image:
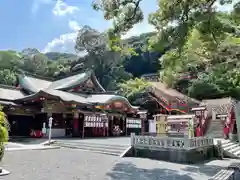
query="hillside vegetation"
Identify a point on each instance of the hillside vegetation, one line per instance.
(195, 49)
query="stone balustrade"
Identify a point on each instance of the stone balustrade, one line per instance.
(155, 143)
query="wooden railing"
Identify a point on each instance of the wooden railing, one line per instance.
(155, 142)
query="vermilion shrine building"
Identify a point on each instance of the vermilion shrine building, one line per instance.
(77, 103)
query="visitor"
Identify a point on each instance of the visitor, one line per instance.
(198, 131)
(226, 131)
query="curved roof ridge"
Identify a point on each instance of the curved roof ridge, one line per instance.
(26, 73)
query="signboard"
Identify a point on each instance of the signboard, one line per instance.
(134, 123)
(95, 121)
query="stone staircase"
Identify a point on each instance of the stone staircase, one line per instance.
(231, 149)
(109, 149)
(216, 129)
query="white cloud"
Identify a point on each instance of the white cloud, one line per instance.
(66, 42)
(73, 25)
(61, 9)
(138, 29)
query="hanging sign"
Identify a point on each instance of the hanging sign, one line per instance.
(134, 123)
(95, 121)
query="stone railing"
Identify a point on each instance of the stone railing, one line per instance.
(151, 142)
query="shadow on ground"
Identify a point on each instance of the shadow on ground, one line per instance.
(27, 140)
(209, 168)
(129, 171)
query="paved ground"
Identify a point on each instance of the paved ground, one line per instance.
(72, 164)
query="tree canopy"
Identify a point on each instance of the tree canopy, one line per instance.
(201, 40)
(195, 49)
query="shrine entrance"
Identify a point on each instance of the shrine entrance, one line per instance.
(117, 126)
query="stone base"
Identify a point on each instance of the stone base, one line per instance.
(177, 155)
(3, 172)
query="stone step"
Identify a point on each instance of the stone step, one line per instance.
(237, 153)
(227, 144)
(235, 149)
(110, 149)
(100, 150)
(104, 146)
(228, 148)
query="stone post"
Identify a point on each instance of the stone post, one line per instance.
(132, 138)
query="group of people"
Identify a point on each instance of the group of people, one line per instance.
(226, 131)
(116, 131)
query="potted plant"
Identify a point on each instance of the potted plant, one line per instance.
(4, 127)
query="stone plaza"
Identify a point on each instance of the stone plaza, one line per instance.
(75, 164)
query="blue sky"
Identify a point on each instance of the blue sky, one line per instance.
(52, 25)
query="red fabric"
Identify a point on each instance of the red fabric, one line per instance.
(226, 130)
(36, 133)
(198, 131)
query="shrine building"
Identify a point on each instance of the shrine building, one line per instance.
(78, 104)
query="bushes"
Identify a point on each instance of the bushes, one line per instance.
(4, 127)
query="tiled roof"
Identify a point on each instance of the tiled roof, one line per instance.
(70, 81)
(107, 98)
(33, 84)
(172, 92)
(39, 87)
(10, 93)
(68, 97)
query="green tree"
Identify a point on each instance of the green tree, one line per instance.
(133, 87)
(204, 42)
(4, 127)
(106, 64)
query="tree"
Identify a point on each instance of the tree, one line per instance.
(4, 127)
(106, 64)
(203, 41)
(133, 87)
(173, 20)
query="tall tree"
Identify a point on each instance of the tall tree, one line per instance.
(106, 64)
(199, 37)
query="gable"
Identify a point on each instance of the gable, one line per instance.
(78, 83)
(32, 84)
